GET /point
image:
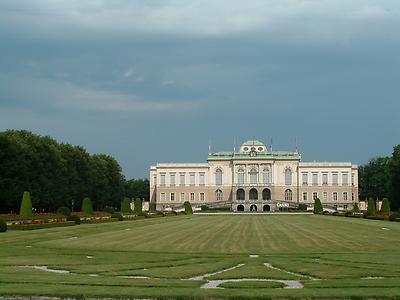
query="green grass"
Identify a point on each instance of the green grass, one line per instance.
(163, 251)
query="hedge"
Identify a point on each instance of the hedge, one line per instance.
(371, 209)
(3, 226)
(99, 221)
(138, 205)
(126, 205)
(87, 206)
(40, 226)
(385, 208)
(25, 210)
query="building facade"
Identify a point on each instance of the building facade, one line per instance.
(255, 178)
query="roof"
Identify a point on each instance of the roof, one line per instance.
(253, 143)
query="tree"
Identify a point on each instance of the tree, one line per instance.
(126, 205)
(87, 206)
(138, 188)
(26, 206)
(385, 208)
(188, 208)
(371, 209)
(375, 178)
(356, 209)
(138, 205)
(395, 178)
(318, 209)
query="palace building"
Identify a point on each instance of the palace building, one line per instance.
(254, 179)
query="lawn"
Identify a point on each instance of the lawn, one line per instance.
(277, 256)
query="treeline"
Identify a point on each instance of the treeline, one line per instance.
(58, 174)
(380, 178)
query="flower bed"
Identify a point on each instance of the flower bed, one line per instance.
(90, 220)
(33, 226)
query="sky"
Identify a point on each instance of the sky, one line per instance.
(156, 81)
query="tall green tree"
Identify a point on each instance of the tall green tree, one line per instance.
(375, 178)
(87, 205)
(126, 205)
(395, 179)
(26, 206)
(385, 208)
(138, 188)
(138, 205)
(318, 209)
(371, 209)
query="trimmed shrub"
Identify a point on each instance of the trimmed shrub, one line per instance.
(74, 218)
(318, 209)
(356, 209)
(3, 226)
(302, 206)
(188, 208)
(385, 208)
(395, 216)
(371, 209)
(87, 206)
(109, 209)
(142, 214)
(26, 206)
(138, 205)
(126, 206)
(118, 216)
(63, 210)
(40, 226)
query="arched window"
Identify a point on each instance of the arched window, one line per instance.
(288, 176)
(218, 195)
(218, 177)
(266, 194)
(253, 194)
(266, 176)
(240, 176)
(240, 194)
(253, 176)
(288, 195)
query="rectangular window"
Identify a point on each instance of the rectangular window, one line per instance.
(182, 179)
(352, 196)
(315, 178)
(314, 195)
(162, 197)
(325, 196)
(345, 196)
(191, 196)
(241, 177)
(154, 179)
(162, 179)
(202, 196)
(335, 178)
(172, 197)
(192, 179)
(352, 178)
(183, 197)
(202, 179)
(345, 206)
(345, 179)
(305, 196)
(305, 179)
(335, 196)
(325, 178)
(172, 179)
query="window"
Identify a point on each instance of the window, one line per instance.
(305, 196)
(172, 179)
(288, 176)
(218, 177)
(183, 197)
(325, 178)
(352, 196)
(240, 176)
(172, 197)
(182, 179)
(345, 206)
(162, 197)
(218, 195)
(352, 178)
(191, 196)
(335, 178)
(202, 196)
(305, 179)
(162, 179)
(314, 195)
(155, 179)
(335, 196)
(288, 195)
(266, 194)
(345, 179)
(325, 196)
(253, 176)
(202, 179)
(192, 179)
(266, 176)
(315, 178)
(240, 194)
(345, 196)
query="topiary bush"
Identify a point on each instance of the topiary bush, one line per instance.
(138, 205)
(126, 206)
(74, 218)
(87, 206)
(63, 210)
(395, 216)
(188, 208)
(109, 209)
(3, 226)
(26, 206)
(371, 209)
(318, 209)
(118, 216)
(356, 209)
(385, 208)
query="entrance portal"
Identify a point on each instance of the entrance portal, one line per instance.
(266, 208)
(240, 208)
(253, 207)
